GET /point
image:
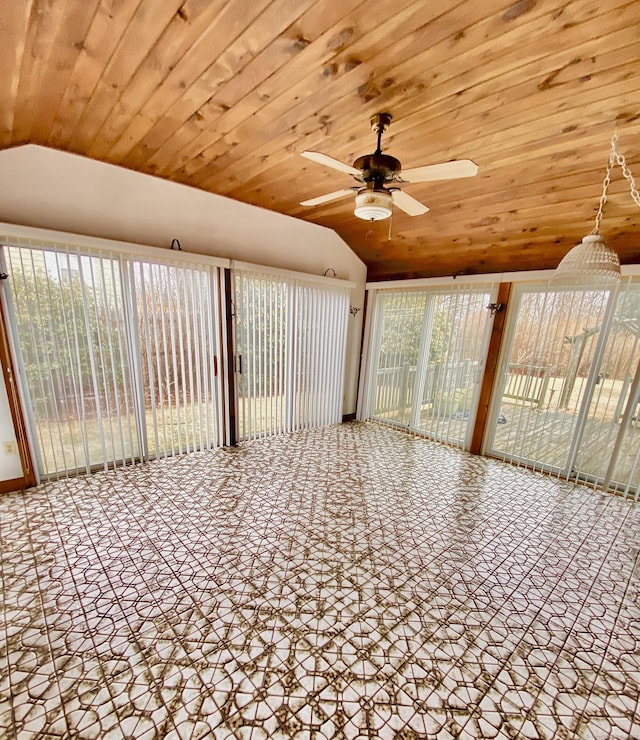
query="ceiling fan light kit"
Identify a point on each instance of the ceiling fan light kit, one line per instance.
(375, 172)
(373, 205)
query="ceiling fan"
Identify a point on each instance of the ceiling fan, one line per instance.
(372, 171)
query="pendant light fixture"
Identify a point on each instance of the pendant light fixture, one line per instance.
(592, 262)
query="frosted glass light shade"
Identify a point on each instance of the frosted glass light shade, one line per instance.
(591, 262)
(373, 205)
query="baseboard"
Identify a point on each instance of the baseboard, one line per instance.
(348, 417)
(15, 484)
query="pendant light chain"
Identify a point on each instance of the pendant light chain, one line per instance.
(615, 157)
(627, 173)
(606, 182)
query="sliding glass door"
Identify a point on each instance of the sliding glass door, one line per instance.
(607, 449)
(290, 341)
(569, 384)
(426, 357)
(261, 310)
(117, 356)
(454, 343)
(68, 321)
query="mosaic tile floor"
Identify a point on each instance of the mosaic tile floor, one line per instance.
(351, 582)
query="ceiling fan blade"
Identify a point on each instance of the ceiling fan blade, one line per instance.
(328, 161)
(328, 197)
(408, 203)
(445, 171)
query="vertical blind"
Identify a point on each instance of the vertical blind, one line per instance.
(68, 320)
(426, 354)
(262, 354)
(117, 355)
(319, 333)
(176, 319)
(290, 353)
(609, 446)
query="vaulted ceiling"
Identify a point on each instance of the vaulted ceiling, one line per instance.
(223, 95)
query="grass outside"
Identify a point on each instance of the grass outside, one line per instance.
(62, 447)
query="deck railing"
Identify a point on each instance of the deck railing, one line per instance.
(528, 383)
(394, 387)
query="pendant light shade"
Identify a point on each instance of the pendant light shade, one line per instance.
(591, 262)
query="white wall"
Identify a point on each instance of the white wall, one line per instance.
(10, 465)
(50, 189)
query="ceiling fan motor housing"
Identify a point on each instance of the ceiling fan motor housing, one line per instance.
(378, 168)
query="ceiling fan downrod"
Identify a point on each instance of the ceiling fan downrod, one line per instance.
(380, 122)
(376, 169)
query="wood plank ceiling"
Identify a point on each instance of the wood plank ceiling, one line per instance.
(224, 95)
